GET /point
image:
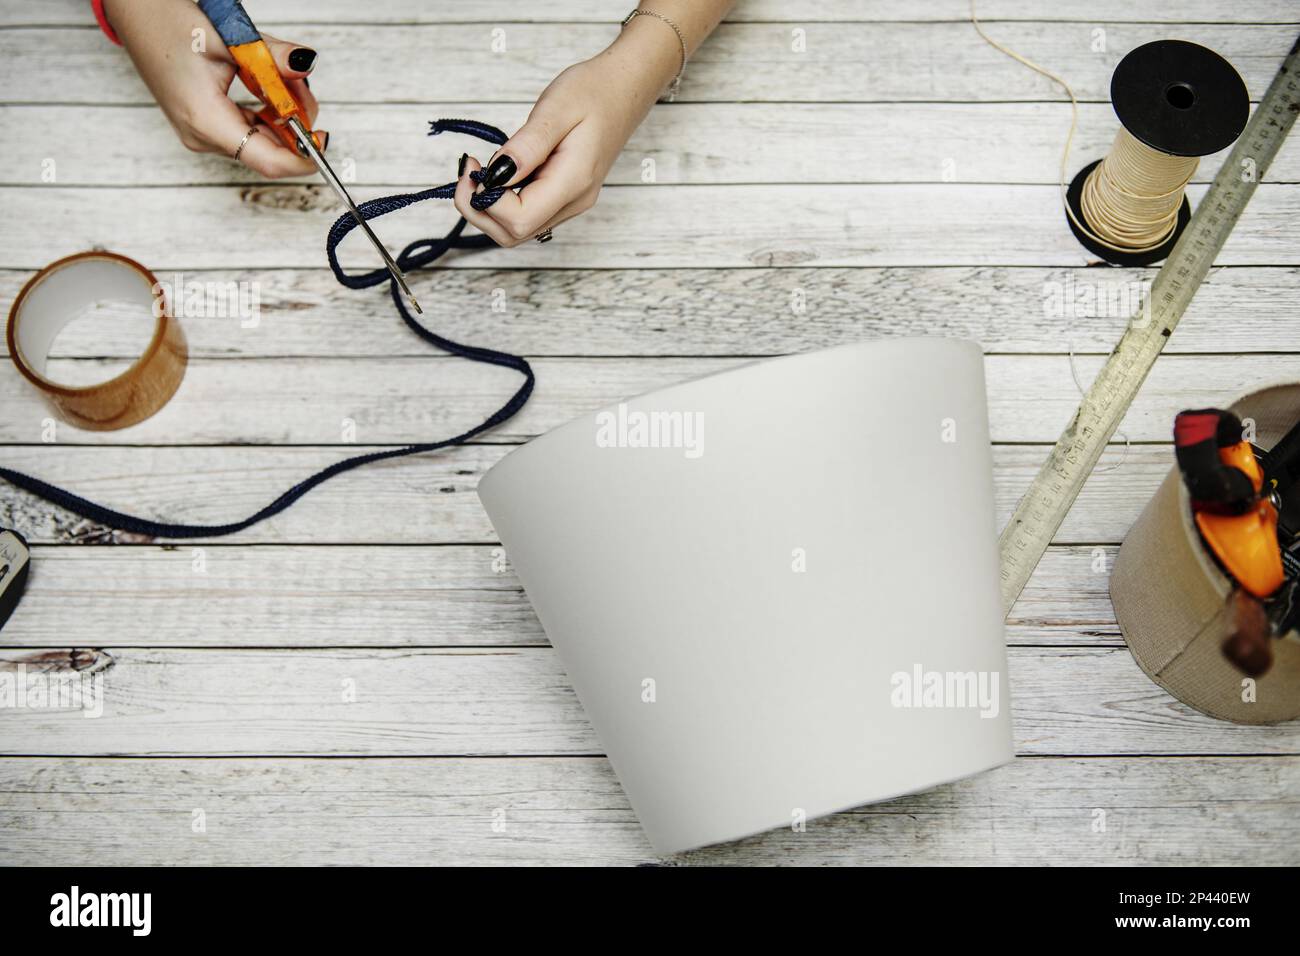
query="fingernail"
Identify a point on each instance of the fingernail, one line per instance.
(460, 167)
(307, 80)
(301, 59)
(499, 173)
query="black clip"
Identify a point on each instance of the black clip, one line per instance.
(15, 564)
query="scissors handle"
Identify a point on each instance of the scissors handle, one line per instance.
(258, 71)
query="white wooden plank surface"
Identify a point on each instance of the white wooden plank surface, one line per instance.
(838, 159)
(304, 596)
(1239, 810)
(518, 701)
(428, 499)
(691, 143)
(840, 62)
(400, 400)
(698, 312)
(73, 12)
(677, 227)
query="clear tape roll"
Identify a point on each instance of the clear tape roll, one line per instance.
(67, 288)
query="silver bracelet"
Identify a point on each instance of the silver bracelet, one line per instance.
(676, 84)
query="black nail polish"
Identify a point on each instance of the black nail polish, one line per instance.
(307, 80)
(301, 59)
(460, 167)
(499, 173)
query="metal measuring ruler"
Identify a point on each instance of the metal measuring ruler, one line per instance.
(1044, 506)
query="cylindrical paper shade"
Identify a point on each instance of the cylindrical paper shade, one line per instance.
(1172, 600)
(775, 589)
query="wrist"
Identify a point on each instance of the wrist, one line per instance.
(652, 48)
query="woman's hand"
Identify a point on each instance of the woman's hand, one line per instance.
(193, 87)
(573, 135)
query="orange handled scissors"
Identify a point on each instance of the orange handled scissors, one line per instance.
(283, 112)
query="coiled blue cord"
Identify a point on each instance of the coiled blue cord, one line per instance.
(417, 255)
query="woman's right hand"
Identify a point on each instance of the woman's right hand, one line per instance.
(181, 58)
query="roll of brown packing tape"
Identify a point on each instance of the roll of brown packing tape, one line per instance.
(67, 288)
(1173, 602)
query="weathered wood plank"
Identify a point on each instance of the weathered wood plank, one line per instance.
(429, 499)
(837, 62)
(73, 12)
(301, 596)
(691, 143)
(130, 812)
(398, 400)
(656, 312)
(517, 701)
(652, 226)
(1176, 810)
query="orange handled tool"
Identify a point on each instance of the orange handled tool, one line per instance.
(259, 73)
(283, 112)
(1236, 517)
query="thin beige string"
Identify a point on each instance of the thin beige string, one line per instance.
(1065, 157)
(1133, 196)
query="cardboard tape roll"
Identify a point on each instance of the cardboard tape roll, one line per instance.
(66, 289)
(1173, 603)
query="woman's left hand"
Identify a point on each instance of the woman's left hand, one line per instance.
(572, 137)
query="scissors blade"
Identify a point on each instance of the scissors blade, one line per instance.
(316, 156)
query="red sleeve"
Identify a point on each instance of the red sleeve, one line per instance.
(98, 7)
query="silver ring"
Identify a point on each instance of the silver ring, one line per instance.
(544, 236)
(244, 142)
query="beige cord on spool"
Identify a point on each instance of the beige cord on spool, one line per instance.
(1131, 200)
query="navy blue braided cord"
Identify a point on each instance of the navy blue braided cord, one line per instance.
(417, 255)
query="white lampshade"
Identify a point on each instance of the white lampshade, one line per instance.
(775, 589)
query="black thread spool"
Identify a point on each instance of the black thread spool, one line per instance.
(1177, 98)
